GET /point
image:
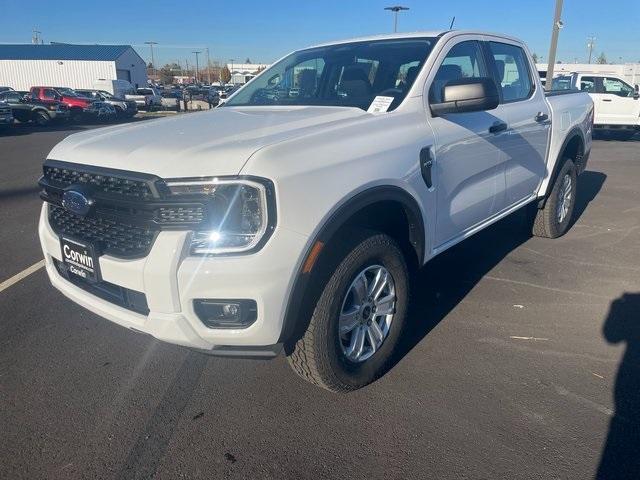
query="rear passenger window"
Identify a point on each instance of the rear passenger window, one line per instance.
(464, 60)
(512, 70)
(588, 84)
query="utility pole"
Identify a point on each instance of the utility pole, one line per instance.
(153, 60)
(395, 9)
(591, 42)
(557, 25)
(197, 53)
(208, 68)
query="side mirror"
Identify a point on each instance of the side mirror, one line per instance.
(474, 94)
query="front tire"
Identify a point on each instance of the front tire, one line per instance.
(41, 119)
(554, 219)
(357, 322)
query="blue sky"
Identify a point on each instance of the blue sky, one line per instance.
(265, 30)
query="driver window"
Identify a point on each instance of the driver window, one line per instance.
(464, 60)
(617, 87)
(49, 94)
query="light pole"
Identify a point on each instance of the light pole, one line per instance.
(557, 25)
(208, 67)
(153, 60)
(231, 72)
(197, 53)
(591, 42)
(395, 9)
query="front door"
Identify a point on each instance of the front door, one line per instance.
(467, 152)
(617, 101)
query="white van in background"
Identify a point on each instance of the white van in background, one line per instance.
(118, 88)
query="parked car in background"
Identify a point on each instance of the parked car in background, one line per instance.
(124, 108)
(292, 223)
(80, 108)
(6, 115)
(617, 104)
(4, 89)
(26, 109)
(146, 98)
(117, 88)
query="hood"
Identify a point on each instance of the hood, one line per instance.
(215, 142)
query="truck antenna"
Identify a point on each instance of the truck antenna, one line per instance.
(453, 20)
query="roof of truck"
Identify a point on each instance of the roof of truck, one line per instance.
(418, 34)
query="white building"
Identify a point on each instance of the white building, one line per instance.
(241, 73)
(65, 65)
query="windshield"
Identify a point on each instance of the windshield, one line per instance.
(105, 94)
(349, 75)
(68, 92)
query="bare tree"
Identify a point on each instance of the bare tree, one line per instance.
(602, 59)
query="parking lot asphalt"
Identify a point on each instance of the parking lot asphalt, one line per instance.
(522, 361)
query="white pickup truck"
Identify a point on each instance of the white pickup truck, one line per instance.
(617, 104)
(291, 218)
(145, 98)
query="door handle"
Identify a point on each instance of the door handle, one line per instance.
(498, 127)
(606, 99)
(541, 117)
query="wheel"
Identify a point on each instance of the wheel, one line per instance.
(41, 118)
(356, 324)
(76, 116)
(554, 219)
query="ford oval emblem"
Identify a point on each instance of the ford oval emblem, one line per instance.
(76, 202)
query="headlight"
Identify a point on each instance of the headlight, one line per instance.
(241, 213)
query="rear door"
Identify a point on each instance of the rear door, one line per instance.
(528, 116)
(467, 152)
(618, 102)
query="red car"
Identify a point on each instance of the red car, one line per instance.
(80, 107)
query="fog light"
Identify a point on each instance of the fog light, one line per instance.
(226, 313)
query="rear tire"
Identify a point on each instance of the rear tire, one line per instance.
(76, 116)
(339, 359)
(554, 219)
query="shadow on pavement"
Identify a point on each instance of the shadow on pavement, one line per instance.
(447, 279)
(621, 455)
(589, 185)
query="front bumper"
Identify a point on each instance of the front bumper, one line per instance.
(171, 280)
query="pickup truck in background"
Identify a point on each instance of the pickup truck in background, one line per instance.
(292, 217)
(146, 98)
(124, 108)
(6, 115)
(617, 104)
(26, 109)
(80, 108)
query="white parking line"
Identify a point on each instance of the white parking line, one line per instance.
(19, 276)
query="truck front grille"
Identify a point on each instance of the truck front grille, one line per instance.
(113, 237)
(104, 183)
